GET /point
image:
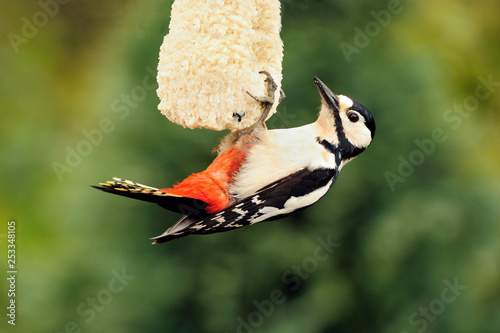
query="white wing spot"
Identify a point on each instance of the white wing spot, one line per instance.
(256, 200)
(219, 219)
(242, 213)
(197, 226)
(253, 217)
(232, 225)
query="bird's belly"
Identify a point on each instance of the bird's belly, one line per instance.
(281, 155)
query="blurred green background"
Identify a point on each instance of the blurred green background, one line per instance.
(406, 241)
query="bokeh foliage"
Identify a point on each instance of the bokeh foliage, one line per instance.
(397, 247)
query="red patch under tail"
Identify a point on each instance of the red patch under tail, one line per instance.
(211, 185)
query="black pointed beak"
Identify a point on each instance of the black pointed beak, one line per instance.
(326, 94)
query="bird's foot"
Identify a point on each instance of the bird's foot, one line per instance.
(266, 102)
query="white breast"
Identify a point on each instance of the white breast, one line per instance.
(278, 154)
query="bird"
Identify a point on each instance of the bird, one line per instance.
(262, 174)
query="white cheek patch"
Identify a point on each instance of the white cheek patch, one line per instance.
(357, 133)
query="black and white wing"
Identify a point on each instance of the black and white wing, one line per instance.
(279, 199)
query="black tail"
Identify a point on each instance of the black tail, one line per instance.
(175, 203)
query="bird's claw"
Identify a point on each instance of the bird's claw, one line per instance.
(282, 96)
(266, 102)
(263, 100)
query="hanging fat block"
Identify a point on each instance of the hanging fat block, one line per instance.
(212, 56)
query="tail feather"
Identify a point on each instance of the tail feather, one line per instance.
(177, 230)
(172, 202)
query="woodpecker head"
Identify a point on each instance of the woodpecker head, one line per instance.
(353, 123)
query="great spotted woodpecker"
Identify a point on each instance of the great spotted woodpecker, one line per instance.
(262, 175)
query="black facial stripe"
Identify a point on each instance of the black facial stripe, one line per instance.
(332, 149)
(339, 127)
(349, 151)
(328, 146)
(344, 151)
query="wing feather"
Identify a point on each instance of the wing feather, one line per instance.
(283, 197)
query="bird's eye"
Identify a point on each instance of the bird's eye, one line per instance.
(353, 117)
